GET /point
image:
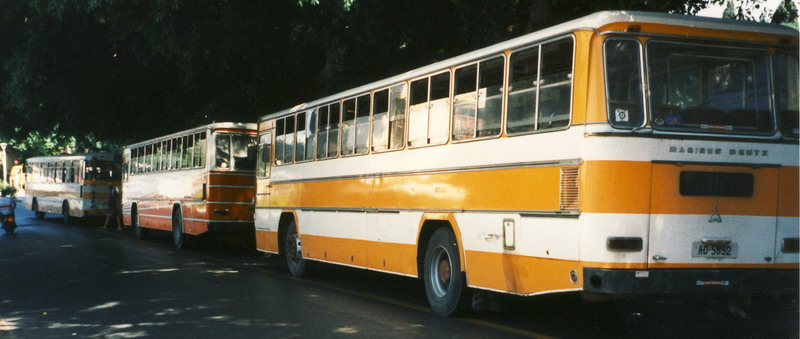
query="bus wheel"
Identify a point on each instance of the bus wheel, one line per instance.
(445, 284)
(137, 228)
(178, 237)
(298, 266)
(35, 208)
(65, 213)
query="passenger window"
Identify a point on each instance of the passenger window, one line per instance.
(322, 133)
(540, 87)
(429, 113)
(333, 132)
(380, 120)
(397, 116)
(288, 141)
(349, 126)
(555, 85)
(200, 149)
(280, 128)
(477, 101)
(362, 124)
(300, 154)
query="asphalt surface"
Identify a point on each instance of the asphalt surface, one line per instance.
(61, 281)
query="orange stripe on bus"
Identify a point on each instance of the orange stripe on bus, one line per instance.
(520, 274)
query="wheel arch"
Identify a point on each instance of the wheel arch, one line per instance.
(429, 223)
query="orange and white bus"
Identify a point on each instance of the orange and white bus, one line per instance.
(619, 154)
(192, 182)
(71, 185)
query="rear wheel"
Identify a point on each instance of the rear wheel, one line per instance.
(35, 208)
(178, 237)
(298, 266)
(445, 284)
(65, 213)
(137, 228)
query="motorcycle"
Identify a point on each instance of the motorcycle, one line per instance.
(7, 219)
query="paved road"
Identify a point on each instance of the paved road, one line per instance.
(82, 281)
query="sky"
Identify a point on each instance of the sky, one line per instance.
(715, 11)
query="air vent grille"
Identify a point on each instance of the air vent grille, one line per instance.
(569, 189)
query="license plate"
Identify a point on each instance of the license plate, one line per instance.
(701, 250)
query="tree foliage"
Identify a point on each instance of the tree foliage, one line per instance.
(102, 73)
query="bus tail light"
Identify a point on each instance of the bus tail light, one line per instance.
(624, 244)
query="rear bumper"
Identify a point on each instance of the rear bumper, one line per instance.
(690, 281)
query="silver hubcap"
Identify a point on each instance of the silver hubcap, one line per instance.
(440, 271)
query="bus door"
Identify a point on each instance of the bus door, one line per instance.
(712, 216)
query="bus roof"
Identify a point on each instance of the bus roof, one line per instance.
(216, 125)
(593, 21)
(102, 155)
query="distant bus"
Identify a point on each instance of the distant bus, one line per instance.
(73, 186)
(192, 182)
(619, 154)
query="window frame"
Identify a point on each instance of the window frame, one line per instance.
(507, 92)
(449, 98)
(503, 97)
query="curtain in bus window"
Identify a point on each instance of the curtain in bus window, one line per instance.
(348, 126)
(418, 113)
(712, 89)
(264, 148)
(222, 151)
(555, 84)
(624, 83)
(200, 149)
(787, 93)
(333, 132)
(523, 82)
(465, 102)
(397, 116)
(362, 124)
(490, 97)
(311, 133)
(380, 120)
(439, 123)
(322, 133)
(243, 150)
(300, 150)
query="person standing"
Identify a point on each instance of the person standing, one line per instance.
(113, 207)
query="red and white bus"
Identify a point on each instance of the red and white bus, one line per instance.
(192, 182)
(73, 186)
(622, 153)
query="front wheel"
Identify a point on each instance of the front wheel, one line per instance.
(35, 208)
(293, 247)
(178, 237)
(137, 228)
(445, 284)
(65, 213)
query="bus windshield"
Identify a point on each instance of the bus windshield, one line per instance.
(708, 89)
(235, 151)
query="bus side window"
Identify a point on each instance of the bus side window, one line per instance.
(300, 150)
(397, 116)
(380, 120)
(333, 133)
(522, 87)
(200, 149)
(223, 155)
(322, 134)
(556, 85)
(418, 113)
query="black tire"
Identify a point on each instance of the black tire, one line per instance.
(292, 246)
(65, 213)
(35, 208)
(140, 232)
(178, 237)
(445, 284)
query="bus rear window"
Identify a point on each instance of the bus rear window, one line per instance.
(235, 151)
(710, 89)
